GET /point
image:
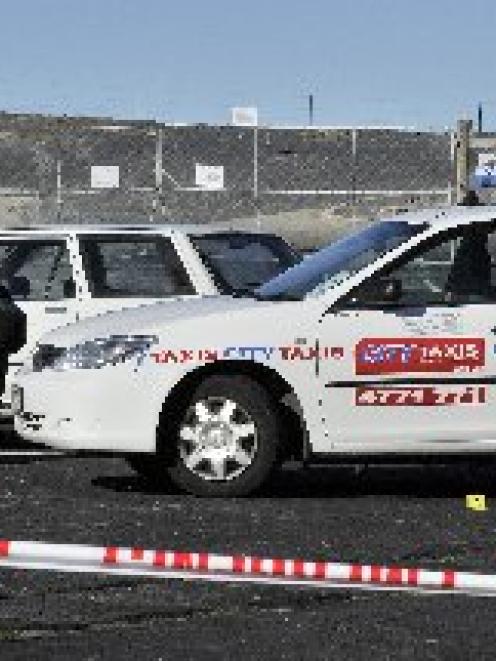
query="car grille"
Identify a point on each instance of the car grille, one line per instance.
(45, 356)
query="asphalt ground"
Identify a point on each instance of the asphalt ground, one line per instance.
(412, 516)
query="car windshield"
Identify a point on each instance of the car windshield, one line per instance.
(239, 262)
(335, 263)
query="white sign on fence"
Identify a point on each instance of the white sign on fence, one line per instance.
(244, 116)
(486, 158)
(210, 177)
(104, 176)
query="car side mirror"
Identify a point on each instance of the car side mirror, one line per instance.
(378, 290)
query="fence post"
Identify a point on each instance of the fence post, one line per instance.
(463, 129)
(158, 198)
(59, 189)
(255, 174)
(353, 168)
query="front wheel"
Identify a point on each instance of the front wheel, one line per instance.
(226, 438)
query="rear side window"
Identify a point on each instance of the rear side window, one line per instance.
(133, 267)
(36, 270)
(240, 261)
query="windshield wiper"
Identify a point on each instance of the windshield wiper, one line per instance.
(244, 292)
(282, 296)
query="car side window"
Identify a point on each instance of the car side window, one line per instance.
(240, 261)
(124, 266)
(36, 270)
(455, 267)
(424, 278)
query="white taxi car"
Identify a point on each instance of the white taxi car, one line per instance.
(60, 274)
(379, 345)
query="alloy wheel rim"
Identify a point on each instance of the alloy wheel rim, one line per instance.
(218, 439)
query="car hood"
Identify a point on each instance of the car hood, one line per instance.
(149, 318)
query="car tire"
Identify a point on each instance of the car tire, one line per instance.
(251, 408)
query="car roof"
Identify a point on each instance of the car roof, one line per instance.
(169, 228)
(448, 216)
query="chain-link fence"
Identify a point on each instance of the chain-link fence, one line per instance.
(46, 165)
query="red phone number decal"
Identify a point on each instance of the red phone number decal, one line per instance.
(419, 396)
(398, 355)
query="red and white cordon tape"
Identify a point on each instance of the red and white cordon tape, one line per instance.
(228, 568)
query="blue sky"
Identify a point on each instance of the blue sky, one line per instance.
(366, 62)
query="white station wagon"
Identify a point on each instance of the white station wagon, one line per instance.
(60, 274)
(380, 345)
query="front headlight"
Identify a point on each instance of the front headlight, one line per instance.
(94, 353)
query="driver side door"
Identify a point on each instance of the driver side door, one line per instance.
(419, 373)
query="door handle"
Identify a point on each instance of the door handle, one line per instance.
(55, 310)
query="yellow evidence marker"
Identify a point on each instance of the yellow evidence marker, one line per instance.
(476, 502)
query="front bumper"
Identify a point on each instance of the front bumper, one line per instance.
(114, 410)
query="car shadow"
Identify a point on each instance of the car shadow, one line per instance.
(134, 484)
(14, 450)
(408, 481)
(16, 458)
(344, 481)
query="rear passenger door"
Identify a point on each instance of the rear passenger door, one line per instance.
(129, 270)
